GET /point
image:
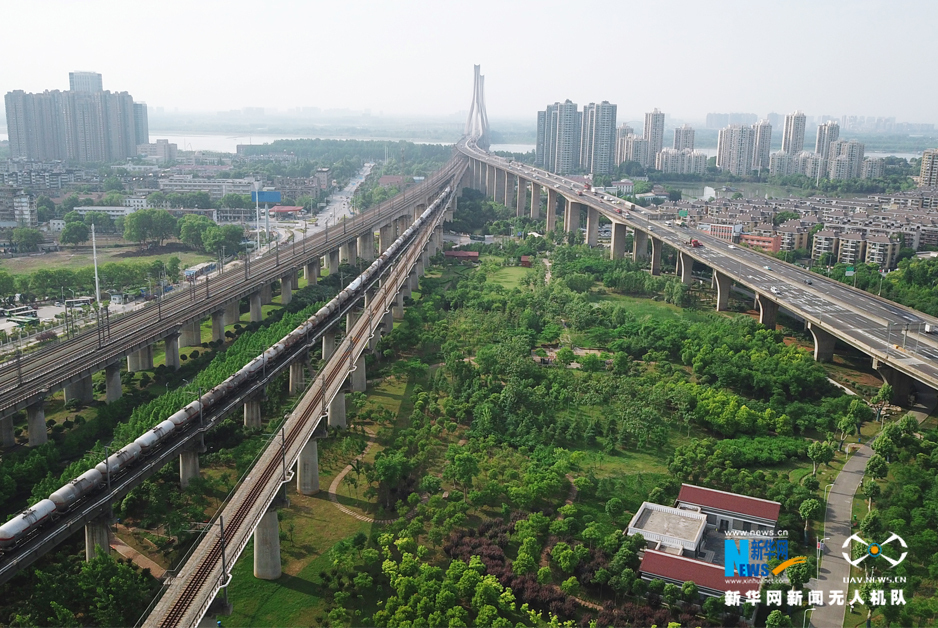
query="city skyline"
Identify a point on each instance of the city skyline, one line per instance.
(366, 56)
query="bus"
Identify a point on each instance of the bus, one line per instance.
(23, 321)
(78, 302)
(23, 311)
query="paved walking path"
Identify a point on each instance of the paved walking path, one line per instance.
(138, 559)
(834, 569)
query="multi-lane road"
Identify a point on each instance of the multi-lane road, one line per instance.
(887, 331)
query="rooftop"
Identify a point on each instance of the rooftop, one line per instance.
(681, 569)
(729, 502)
(670, 526)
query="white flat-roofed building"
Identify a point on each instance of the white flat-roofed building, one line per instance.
(113, 212)
(673, 530)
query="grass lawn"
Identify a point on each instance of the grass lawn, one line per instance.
(647, 307)
(509, 276)
(108, 251)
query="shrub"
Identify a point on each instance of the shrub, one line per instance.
(194, 355)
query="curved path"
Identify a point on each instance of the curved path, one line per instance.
(333, 497)
(834, 569)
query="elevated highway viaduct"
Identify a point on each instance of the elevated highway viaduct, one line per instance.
(26, 381)
(892, 335)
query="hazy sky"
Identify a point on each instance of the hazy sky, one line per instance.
(860, 57)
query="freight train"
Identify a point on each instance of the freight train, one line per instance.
(61, 501)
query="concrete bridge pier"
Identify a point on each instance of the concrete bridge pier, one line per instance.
(252, 412)
(768, 311)
(351, 317)
(387, 322)
(112, 382)
(359, 381)
(97, 535)
(297, 377)
(639, 246)
(257, 313)
(414, 280)
(438, 236)
(572, 217)
(311, 272)
(385, 237)
(522, 196)
(724, 285)
(902, 384)
(617, 250)
(267, 294)
(337, 411)
(328, 344)
(352, 249)
(267, 547)
(189, 463)
(592, 226)
(535, 201)
(7, 432)
(36, 423)
(307, 467)
(491, 184)
(141, 360)
(366, 246)
(823, 343)
(286, 289)
(80, 390)
(191, 335)
(656, 246)
(233, 313)
(397, 309)
(332, 261)
(551, 209)
(686, 264)
(218, 326)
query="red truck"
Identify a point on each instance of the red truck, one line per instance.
(695, 243)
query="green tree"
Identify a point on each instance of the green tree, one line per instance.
(74, 233)
(777, 619)
(570, 586)
(689, 591)
(226, 238)
(149, 225)
(565, 356)
(882, 397)
(809, 509)
(192, 228)
(876, 467)
(820, 453)
(27, 239)
(101, 221)
(871, 491)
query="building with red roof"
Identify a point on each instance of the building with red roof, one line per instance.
(708, 577)
(729, 511)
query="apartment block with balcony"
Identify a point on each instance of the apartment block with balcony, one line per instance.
(882, 251)
(825, 241)
(851, 248)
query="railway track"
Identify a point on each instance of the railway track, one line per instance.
(48, 369)
(196, 587)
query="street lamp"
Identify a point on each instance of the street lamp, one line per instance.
(107, 466)
(805, 622)
(819, 544)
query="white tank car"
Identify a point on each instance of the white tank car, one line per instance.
(25, 522)
(155, 436)
(125, 456)
(76, 489)
(182, 417)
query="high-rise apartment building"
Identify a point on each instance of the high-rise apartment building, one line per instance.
(83, 125)
(684, 161)
(141, 123)
(761, 149)
(598, 138)
(793, 133)
(734, 149)
(622, 132)
(826, 133)
(85, 82)
(928, 176)
(653, 132)
(845, 159)
(637, 149)
(684, 137)
(558, 137)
